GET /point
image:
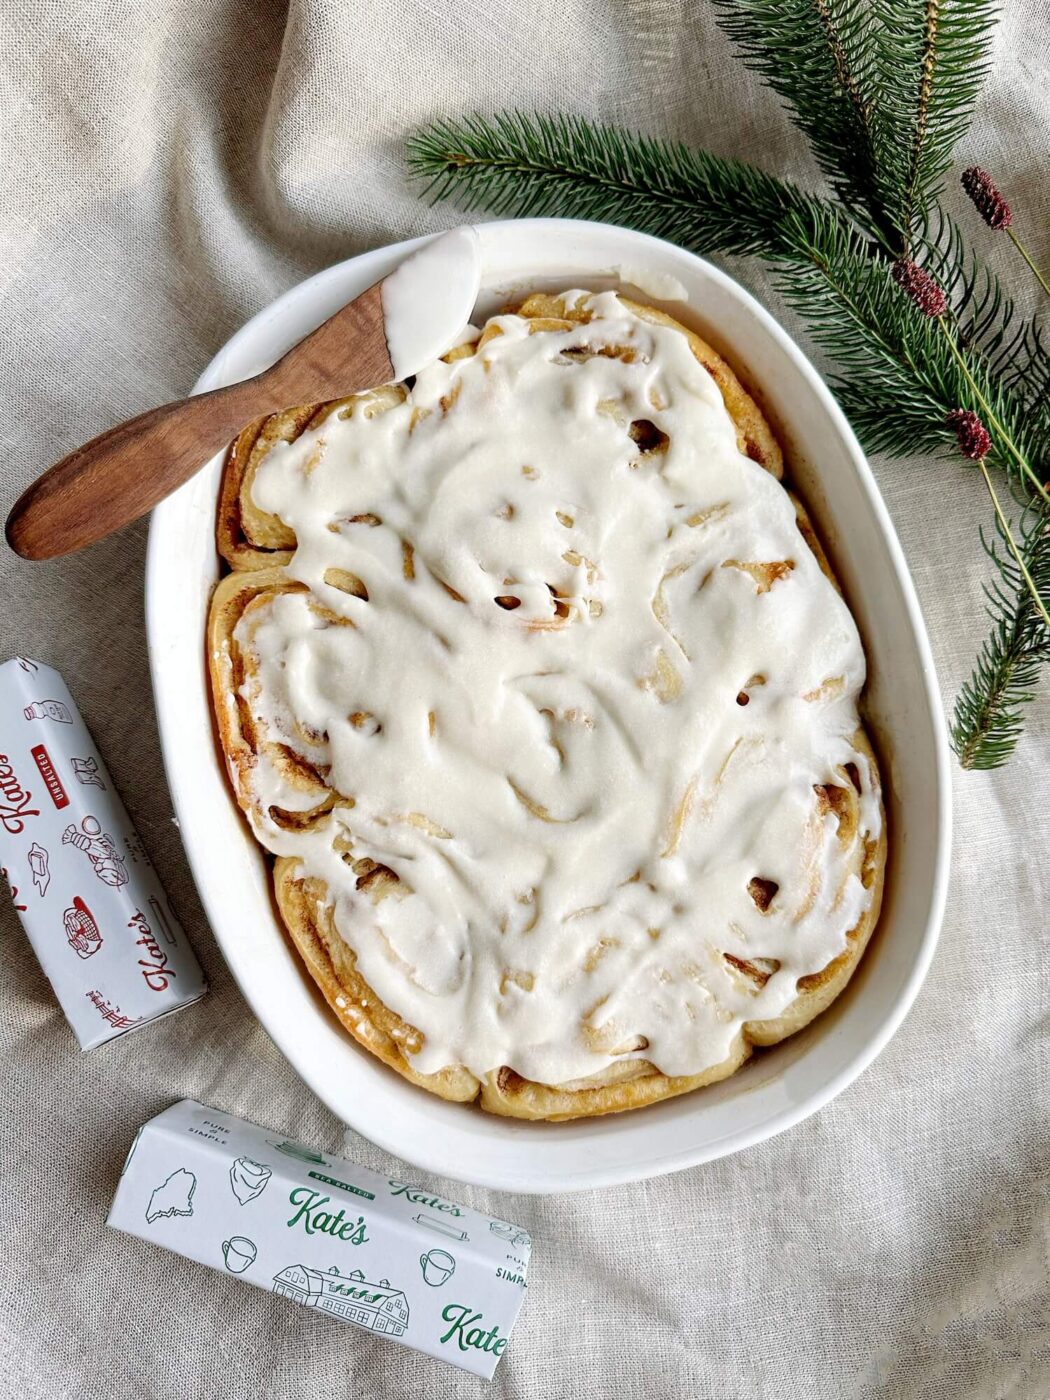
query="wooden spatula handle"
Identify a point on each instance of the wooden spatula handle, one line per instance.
(126, 471)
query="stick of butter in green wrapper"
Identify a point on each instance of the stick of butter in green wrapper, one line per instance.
(385, 1255)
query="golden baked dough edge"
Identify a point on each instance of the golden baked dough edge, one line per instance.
(333, 965)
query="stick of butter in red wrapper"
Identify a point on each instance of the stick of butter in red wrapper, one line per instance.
(90, 900)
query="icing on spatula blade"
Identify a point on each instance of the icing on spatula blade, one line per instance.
(428, 300)
(391, 330)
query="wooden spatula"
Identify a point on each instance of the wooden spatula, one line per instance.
(392, 330)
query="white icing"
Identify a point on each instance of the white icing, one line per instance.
(577, 842)
(428, 299)
(662, 286)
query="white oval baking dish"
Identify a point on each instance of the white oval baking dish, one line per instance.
(777, 1088)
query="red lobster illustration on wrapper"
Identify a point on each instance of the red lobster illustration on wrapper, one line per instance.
(81, 929)
(100, 849)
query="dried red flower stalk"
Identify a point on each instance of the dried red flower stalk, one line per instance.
(924, 290)
(970, 433)
(987, 200)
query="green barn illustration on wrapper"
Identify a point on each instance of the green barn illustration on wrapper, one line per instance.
(349, 1296)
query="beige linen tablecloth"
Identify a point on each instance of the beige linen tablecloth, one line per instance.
(169, 167)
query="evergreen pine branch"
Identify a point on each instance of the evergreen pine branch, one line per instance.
(988, 716)
(883, 89)
(817, 56)
(528, 164)
(895, 372)
(931, 59)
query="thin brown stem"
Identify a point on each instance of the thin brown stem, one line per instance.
(922, 114)
(847, 81)
(1008, 536)
(1029, 260)
(993, 421)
